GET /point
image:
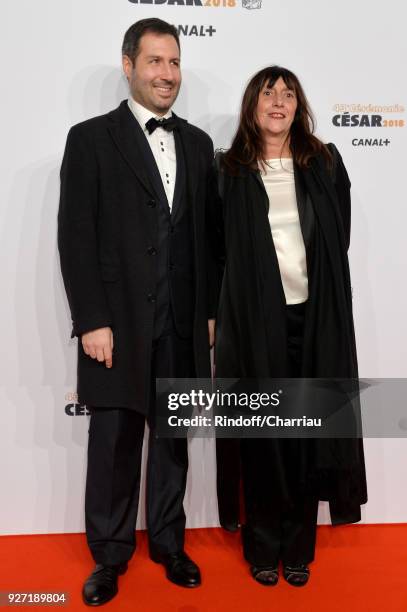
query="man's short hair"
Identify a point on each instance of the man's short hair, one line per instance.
(132, 38)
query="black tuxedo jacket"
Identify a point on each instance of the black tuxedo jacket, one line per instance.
(107, 233)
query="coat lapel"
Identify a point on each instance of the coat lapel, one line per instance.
(324, 205)
(151, 166)
(133, 146)
(257, 177)
(305, 208)
(191, 157)
(180, 177)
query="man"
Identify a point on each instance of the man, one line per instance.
(132, 245)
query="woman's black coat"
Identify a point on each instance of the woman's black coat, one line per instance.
(251, 335)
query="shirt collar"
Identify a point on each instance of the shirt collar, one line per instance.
(142, 114)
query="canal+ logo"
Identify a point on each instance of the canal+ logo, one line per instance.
(246, 4)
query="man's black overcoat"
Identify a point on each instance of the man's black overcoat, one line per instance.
(107, 224)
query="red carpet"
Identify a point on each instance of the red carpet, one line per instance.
(357, 568)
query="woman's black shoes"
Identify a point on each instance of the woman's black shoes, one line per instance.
(296, 576)
(266, 575)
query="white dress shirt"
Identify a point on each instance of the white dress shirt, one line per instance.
(162, 145)
(286, 229)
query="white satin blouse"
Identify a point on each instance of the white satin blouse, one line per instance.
(285, 228)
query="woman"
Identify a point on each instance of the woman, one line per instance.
(281, 228)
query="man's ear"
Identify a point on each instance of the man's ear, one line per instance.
(127, 66)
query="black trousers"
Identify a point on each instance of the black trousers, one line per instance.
(114, 467)
(274, 529)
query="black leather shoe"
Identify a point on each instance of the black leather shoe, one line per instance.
(101, 586)
(266, 575)
(296, 575)
(180, 569)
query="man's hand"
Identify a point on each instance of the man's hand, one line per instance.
(98, 344)
(211, 330)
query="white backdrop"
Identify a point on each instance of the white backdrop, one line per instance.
(60, 64)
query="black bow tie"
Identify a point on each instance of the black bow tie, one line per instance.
(168, 124)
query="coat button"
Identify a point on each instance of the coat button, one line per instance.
(171, 267)
(151, 298)
(151, 203)
(151, 250)
(171, 229)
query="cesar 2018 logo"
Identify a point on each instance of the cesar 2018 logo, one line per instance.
(247, 4)
(369, 116)
(74, 408)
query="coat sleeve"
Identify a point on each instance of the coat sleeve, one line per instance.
(77, 234)
(342, 187)
(215, 236)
